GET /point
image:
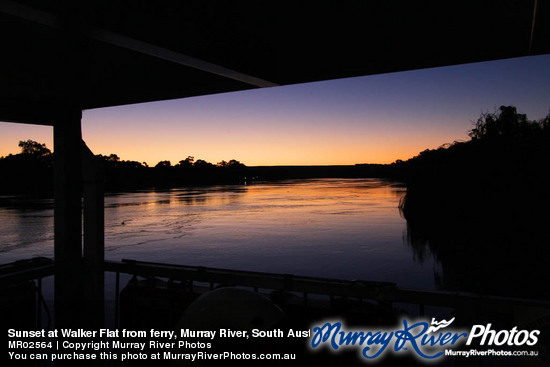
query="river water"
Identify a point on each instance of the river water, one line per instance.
(336, 228)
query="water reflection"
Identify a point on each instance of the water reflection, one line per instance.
(494, 248)
(27, 229)
(348, 229)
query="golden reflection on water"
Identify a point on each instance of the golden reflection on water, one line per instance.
(339, 228)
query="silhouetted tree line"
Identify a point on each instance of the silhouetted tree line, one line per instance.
(481, 206)
(31, 172)
(131, 174)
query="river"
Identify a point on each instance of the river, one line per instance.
(336, 228)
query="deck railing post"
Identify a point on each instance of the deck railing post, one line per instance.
(117, 298)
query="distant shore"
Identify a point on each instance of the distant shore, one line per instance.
(33, 177)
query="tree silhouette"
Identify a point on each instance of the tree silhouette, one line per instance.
(233, 163)
(476, 206)
(201, 163)
(505, 122)
(163, 164)
(187, 162)
(33, 148)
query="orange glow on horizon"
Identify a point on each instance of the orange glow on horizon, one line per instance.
(260, 147)
(268, 153)
(373, 119)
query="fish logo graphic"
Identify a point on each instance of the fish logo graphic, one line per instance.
(439, 325)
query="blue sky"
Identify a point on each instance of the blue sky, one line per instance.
(372, 119)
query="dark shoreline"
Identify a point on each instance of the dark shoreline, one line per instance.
(136, 178)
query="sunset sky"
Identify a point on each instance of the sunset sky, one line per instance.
(374, 119)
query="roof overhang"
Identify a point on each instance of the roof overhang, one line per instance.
(105, 53)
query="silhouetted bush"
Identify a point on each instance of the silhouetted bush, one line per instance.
(480, 206)
(29, 172)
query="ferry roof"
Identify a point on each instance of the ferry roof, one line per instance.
(90, 54)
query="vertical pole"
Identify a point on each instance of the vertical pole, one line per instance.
(92, 175)
(68, 219)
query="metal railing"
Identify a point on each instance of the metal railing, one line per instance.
(28, 272)
(201, 278)
(383, 293)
